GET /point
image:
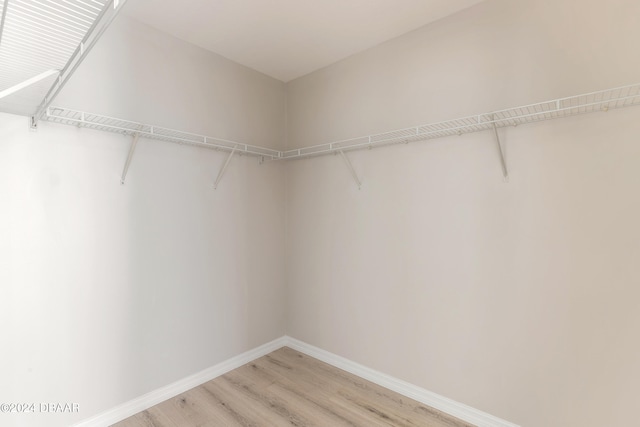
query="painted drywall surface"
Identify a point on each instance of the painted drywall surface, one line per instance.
(141, 74)
(109, 291)
(499, 54)
(519, 298)
(112, 291)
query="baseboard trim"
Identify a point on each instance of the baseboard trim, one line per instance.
(132, 407)
(441, 403)
(446, 405)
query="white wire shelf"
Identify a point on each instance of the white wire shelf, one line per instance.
(38, 36)
(600, 101)
(604, 100)
(126, 127)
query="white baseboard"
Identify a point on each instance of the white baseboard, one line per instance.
(148, 400)
(448, 406)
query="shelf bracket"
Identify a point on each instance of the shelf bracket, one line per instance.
(224, 168)
(351, 169)
(132, 149)
(503, 163)
(28, 82)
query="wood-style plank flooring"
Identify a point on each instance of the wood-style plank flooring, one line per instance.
(288, 388)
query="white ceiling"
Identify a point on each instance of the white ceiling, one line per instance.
(287, 39)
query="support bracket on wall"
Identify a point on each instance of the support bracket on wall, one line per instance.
(351, 169)
(33, 80)
(224, 168)
(132, 149)
(503, 163)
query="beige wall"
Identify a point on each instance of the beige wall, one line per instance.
(142, 74)
(519, 298)
(497, 54)
(108, 292)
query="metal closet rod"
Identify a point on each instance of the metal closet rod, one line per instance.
(603, 100)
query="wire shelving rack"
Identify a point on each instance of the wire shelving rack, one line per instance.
(126, 127)
(604, 100)
(592, 102)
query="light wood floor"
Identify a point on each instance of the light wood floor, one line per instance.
(288, 388)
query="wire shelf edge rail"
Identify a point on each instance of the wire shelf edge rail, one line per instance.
(126, 127)
(599, 101)
(604, 100)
